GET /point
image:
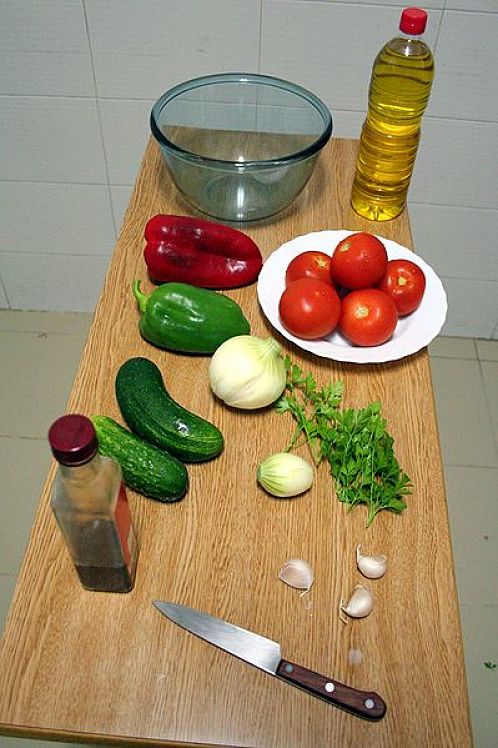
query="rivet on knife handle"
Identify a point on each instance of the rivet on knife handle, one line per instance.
(365, 704)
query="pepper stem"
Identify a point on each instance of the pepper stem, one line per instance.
(140, 297)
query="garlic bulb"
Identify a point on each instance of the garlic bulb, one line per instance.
(372, 567)
(360, 604)
(247, 372)
(284, 474)
(298, 574)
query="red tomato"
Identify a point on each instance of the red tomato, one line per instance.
(309, 265)
(404, 281)
(358, 261)
(309, 308)
(368, 317)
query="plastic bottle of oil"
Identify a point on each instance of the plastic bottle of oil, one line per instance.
(400, 86)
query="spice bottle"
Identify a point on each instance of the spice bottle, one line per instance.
(91, 508)
(400, 86)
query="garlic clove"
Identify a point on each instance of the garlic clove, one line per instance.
(360, 604)
(372, 567)
(298, 574)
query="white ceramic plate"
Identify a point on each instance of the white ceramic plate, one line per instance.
(412, 332)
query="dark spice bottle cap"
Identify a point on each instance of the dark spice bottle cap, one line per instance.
(73, 439)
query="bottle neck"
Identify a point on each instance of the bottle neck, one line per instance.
(85, 472)
(408, 46)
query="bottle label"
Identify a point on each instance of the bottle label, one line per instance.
(124, 526)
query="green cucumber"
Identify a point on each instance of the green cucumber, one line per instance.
(146, 469)
(151, 413)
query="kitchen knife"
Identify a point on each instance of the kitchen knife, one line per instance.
(265, 654)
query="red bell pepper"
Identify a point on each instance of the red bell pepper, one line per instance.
(199, 252)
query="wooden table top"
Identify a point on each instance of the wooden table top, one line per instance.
(110, 668)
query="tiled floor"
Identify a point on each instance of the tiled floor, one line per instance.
(39, 356)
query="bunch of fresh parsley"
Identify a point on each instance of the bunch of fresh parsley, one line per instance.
(355, 443)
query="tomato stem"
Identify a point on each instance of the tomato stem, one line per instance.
(362, 312)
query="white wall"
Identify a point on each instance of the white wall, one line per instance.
(78, 79)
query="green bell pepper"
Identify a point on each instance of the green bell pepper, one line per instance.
(188, 319)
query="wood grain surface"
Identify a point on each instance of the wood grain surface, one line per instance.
(111, 668)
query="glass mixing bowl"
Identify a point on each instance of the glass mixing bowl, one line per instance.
(240, 147)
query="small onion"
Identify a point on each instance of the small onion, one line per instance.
(284, 475)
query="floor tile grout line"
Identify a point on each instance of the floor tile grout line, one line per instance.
(485, 605)
(477, 355)
(469, 466)
(494, 429)
(462, 358)
(39, 333)
(28, 437)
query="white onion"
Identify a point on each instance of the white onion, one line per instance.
(247, 372)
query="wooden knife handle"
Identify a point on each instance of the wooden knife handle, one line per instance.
(366, 704)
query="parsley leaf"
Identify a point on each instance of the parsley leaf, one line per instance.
(355, 443)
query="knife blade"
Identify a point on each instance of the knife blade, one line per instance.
(265, 654)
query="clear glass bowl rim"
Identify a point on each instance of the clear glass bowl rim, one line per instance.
(248, 78)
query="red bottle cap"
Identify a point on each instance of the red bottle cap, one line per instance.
(73, 440)
(413, 21)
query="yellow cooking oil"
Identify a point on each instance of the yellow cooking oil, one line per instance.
(399, 91)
